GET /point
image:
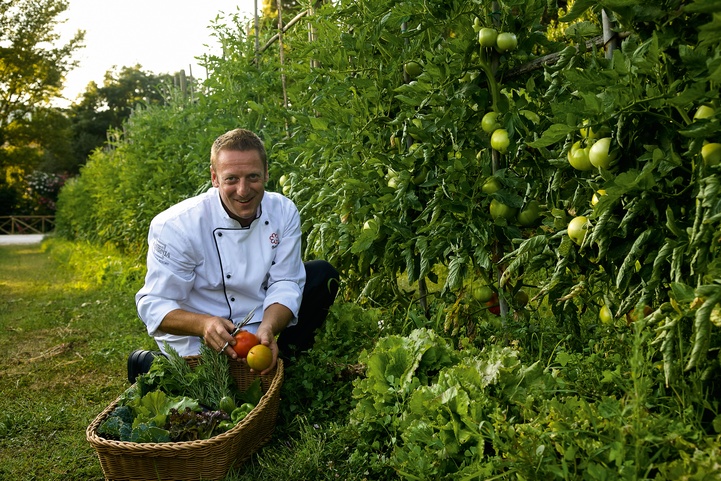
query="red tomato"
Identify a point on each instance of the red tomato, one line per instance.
(244, 340)
(493, 305)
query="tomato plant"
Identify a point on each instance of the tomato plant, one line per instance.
(623, 134)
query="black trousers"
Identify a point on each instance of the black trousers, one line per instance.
(321, 288)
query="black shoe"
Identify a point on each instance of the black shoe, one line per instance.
(139, 362)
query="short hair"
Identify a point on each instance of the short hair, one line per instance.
(241, 140)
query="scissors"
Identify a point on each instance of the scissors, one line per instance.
(240, 326)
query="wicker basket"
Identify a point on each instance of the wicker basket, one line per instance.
(208, 459)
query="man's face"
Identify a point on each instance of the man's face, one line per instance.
(240, 177)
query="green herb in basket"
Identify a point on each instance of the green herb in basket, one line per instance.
(208, 382)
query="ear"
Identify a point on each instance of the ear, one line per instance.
(214, 178)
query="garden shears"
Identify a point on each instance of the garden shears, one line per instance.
(240, 326)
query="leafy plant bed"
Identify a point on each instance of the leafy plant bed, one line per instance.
(208, 458)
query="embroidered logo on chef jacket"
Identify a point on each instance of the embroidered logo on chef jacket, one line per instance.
(160, 252)
(274, 240)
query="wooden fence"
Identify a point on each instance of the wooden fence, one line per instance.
(26, 224)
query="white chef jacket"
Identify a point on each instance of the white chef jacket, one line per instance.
(201, 260)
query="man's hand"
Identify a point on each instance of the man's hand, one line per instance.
(215, 331)
(266, 337)
(275, 318)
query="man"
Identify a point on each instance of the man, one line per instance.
(215, 257)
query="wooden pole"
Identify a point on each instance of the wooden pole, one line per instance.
(312, 34)
(282, 53)
(257, 33)
(496, 164)
(422, 286)
(610, 39)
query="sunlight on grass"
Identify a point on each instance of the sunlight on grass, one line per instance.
(65, 340)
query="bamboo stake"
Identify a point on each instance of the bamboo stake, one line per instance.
(312, 35)
(281, 53)
(610, 39)
(257, 33)
(422, 286)
(287, 26)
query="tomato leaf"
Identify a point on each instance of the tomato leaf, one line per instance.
(578, 9)
(555, 133)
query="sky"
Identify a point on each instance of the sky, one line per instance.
(163, 36)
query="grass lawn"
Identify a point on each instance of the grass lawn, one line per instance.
(63, 348)
(64, 345)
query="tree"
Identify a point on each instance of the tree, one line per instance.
(31, 70)
(106, 108)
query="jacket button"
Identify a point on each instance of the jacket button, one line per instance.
(227, 276)
(266, 222)
(220, 234)
(232, 299)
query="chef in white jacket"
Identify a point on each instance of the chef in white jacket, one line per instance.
(215, 257)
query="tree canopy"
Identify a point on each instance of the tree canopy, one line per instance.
(106, 107)
(33, 64)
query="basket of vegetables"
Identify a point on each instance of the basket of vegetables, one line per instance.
(187, 419)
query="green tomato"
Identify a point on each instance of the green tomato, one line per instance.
(599, 155)
(482, 293)
(587, 132)
(413, 69)
(704, 112)
(226, 404)
(489, 122)
(500, 141)
(283, 179)
(528, 215)
(420, 176)
(578, 157)
(491, 185)
(577, 229)
(506, 41)
(711, 153)
(487, 37)
(597, 196)
(501, 210)
(605, 315)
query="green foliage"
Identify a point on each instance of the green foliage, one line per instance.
(208, 383)
(32, 69)
(596, 415)
(657, 223)
(388, 173)
(33, 66)
(105, 108)
(395, 368)
(333, 361)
